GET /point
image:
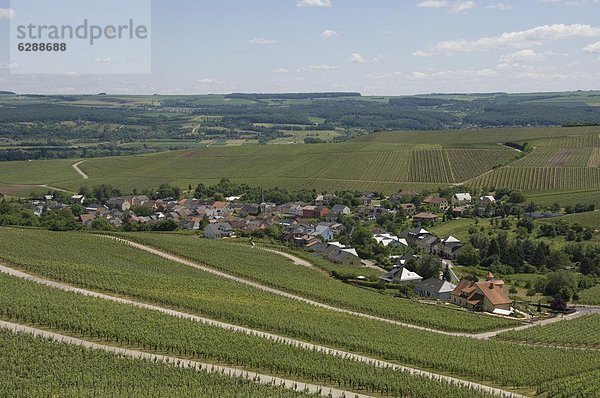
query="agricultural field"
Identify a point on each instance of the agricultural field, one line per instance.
(357, 165)
(150, 331)
(37, 367)
(583, 385)
(513, 365)
(81, 251)
(580, 332)
(274, 270)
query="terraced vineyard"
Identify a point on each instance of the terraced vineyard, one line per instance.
(128, 272)
(151, 331)
(269, 268)
(584, 385)
(580, 332)
(36, 367)
(274, 270)
(542, 178)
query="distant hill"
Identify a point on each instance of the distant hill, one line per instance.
(291, 96)
(7, 93)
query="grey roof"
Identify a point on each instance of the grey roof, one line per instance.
(436, 285)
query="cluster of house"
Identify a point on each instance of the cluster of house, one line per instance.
(488, 296)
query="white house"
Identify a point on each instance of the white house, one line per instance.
(461, 199)
(401, 275)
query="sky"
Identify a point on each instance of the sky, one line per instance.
(376, 47)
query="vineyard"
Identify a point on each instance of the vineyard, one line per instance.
(130, 273)
(36, 367)
(584, 385)
(542, 178)
(119, 275)
(557, 157)
(277, 271)
(151, 331)
(580, 332)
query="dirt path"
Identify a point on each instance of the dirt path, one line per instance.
(258, 333)
(77, 169)
(184, 363)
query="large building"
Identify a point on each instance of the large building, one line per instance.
(483, 296)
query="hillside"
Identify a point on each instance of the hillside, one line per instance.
(563, 160)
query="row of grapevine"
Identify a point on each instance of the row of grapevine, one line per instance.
(556, 157)
(470, 163)
(131, 273)
(581, 386)
(276, 271)
(92, 318)
(595, 158)
(429, 166)
(36, 367)
(121, 263)
(580, 332)
(542, 178)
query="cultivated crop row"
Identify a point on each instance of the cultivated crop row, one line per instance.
(116, 268)
(276, 271)
(580, 332)
(122, 266)
(36, 367)
(542, 178)
(92, 318)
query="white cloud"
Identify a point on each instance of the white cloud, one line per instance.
(281, 70)
(263, 42)
(458, 7)
(357, 58)
(433, 4)
(6, 13)
(520, 39)
(500, 6)
(209, 81)
(451, 74)
(464, 7)
(314, 3)
(593, 48)
(323, 67)
(328, 34)
(522, 55)
(421, 54)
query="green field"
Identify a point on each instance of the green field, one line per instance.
(125, 271)
(36, 367)
(276, 271)
(251, 306)
(384, 161)
(580, 332)
(151, 331)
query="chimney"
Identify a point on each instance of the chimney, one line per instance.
(491, 285)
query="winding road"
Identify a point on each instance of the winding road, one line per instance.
(184, 363)
(281, 339)
(75, 167)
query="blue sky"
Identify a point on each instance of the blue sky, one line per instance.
(377, 47)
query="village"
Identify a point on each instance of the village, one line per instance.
(317, 228)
